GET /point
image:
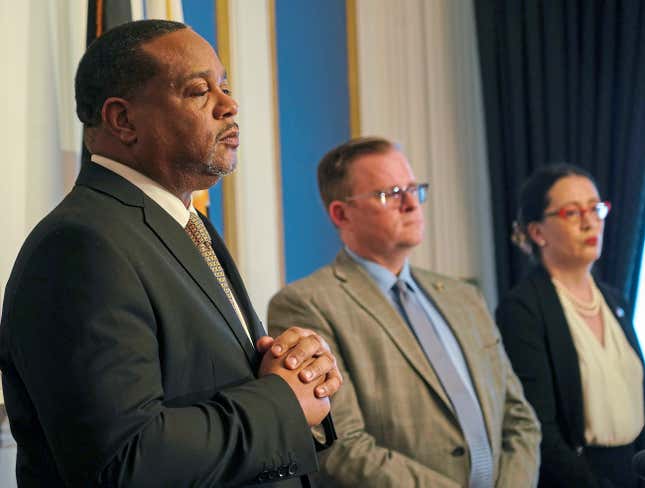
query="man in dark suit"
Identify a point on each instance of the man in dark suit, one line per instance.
(130, 352)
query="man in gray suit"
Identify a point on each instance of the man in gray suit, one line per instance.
(429, 397)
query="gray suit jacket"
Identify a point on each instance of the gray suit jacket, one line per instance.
(395, 424)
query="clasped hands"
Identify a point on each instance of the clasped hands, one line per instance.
(303, 359)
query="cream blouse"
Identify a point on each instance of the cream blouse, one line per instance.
(612, 376)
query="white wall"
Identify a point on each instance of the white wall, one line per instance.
(258, 198)
(39, 137)
(40, 44)
(420, 85)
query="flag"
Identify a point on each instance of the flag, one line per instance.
(102, 15)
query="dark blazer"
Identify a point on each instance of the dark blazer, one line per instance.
(537, 339)
(124, 363)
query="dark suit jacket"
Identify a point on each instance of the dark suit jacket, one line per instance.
(537, 339)
(124, 363)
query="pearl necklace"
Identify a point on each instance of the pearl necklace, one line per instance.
(587, 309)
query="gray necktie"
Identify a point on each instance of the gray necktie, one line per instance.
(469, 413)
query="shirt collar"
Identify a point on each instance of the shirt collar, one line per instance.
(383, 277)
(160, 195)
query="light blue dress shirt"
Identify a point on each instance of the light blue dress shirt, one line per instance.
(385, 280)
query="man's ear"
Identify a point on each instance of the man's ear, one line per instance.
(116, 119)
(338, 213)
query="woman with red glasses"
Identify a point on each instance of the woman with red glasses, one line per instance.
(569, 337)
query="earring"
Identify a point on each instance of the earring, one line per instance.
(542, 243)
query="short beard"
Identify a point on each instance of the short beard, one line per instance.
(219, 168)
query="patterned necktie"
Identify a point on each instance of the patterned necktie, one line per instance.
(466, 407)
(196, 230)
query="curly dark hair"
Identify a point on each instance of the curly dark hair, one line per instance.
(114, 65)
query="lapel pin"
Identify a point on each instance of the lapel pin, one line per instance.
(620, 313)
(438, 285)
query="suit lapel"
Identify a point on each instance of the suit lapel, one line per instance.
(361, 288)
(173, 237)
(464, 327)
(625, 321)
(621, 315)
(256, 328)
(563, 350)
(563, 353)
(179, 244)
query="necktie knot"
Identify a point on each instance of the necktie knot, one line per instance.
(400, 288)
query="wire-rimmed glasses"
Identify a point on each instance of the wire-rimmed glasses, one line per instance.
(394, 196)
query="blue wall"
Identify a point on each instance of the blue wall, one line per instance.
(314, 116)
(200, 15)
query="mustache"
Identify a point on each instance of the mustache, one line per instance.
(225, 129)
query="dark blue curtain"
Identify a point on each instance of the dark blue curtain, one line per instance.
(564, 80)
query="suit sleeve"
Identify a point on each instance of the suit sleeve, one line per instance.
(86, 345)
(355, 459)
(525, 343)
(519, 457)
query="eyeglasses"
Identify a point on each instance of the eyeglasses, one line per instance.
(575, 213)
(394, 196)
